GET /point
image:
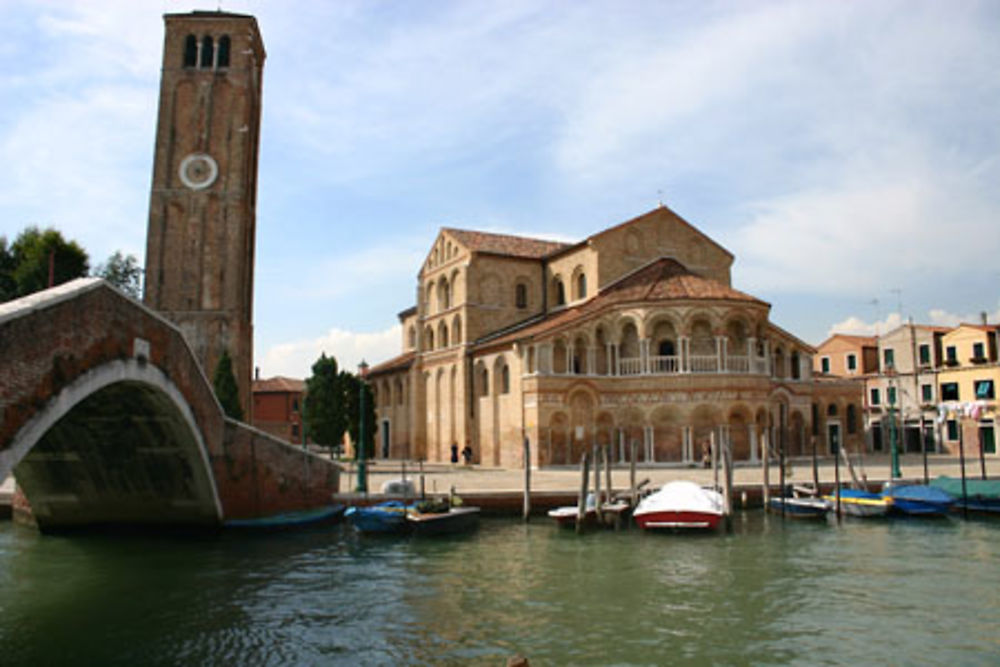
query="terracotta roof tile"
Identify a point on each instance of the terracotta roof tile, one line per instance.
(279, 384)
(662, 280)
(397, 363)
(505, 244)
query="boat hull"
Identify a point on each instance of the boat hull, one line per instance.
(456, 520)
(288, 520)
(800, 508)
(678, 520)
(862, 504)
(385, 518)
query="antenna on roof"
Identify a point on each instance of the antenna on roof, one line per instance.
(659, 196)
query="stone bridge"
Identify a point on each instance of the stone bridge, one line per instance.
(107, 418)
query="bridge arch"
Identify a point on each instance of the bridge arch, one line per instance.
(119, 444)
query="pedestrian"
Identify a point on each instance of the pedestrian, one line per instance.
(454, 452)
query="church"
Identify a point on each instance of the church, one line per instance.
(633, 337)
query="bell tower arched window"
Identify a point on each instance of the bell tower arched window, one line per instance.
(224, 48)
(190, 51)
(207, 51)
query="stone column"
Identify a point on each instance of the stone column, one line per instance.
(610, 357)
(683, 365)
(752, 436)
(767, 358)
(569, 359)
(644, 356)
(591, 360)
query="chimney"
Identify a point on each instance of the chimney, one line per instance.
(984, 317)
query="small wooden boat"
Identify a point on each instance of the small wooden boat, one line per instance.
(865, 504)
(918, 499)
(565, 516)
(384, 518)
(981, 495)
(448, 522)
(680, 505)
(302, 518)
(800, 507)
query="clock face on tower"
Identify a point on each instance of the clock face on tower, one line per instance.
(198, 171)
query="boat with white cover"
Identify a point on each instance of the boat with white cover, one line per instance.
(680, 505)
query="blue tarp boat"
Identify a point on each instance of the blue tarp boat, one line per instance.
(982, 495)
(387, 517)
(918, 499)
(319, 515)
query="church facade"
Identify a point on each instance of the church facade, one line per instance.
(633, 335)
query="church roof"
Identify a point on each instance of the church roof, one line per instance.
(664, 279)
(278, 384)
(398, 363)
(505, 244)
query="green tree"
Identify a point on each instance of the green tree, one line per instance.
(35, 251)
(324, 403)
(353, 386)
(226, 389)
(8, 286)
(122, 271)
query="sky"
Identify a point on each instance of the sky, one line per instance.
(847, 153)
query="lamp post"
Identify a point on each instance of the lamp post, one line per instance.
(894, 471)
(362, 468)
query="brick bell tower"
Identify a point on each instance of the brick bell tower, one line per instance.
(202, 210)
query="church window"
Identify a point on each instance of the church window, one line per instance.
(521, 295)
(581, 286)
(207, 51)
(505, 380)
(412, 337)
(224, 47)
(190, 51)
(485, 379)
(560, 293)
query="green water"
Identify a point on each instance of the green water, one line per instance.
(887, 592)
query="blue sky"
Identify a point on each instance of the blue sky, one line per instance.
(847, 153)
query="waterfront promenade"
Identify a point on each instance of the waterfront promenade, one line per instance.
(558, 483)
(440, 478)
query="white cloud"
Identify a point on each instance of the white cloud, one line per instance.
(295, 358)
(857, 326)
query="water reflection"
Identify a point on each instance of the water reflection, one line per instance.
(772, 591)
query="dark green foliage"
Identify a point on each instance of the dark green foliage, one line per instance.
(24, 265)
(123, 272)
(226, 390)
(352, 400)
(324, 404)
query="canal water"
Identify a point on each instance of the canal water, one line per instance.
(771, 592)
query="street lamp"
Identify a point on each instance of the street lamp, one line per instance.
(894, 472)
(362, 469)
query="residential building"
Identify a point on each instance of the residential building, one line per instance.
(967, 388)
(846, 356)
(633, 335)
(277, 407)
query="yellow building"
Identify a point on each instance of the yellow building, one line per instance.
(967, 386)
(633, 335)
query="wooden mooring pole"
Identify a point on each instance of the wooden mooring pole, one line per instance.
(526, 509)
(633, 489)
(836, 481)
(766, 468)
(781, 474)
(597, 484)
(581, 500)
(961, 463)
(727, 462)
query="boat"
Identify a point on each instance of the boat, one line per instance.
(385, 518)
(441, 519)
(800, 507)
(981, 495)
(680, 505)
(298, 519)
(918, 499)
(612, 512)
(856, 502)
(565, 516)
